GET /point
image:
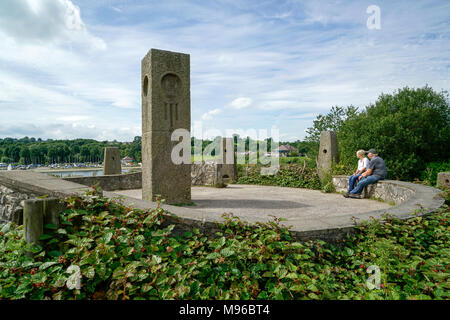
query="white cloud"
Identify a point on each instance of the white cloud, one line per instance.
(57, 21)
(241, 103)
(266, 62)
(210, 114)
(73, 118)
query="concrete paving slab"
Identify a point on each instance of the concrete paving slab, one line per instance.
(304, 209)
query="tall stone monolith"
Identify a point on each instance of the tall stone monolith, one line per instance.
(328, 153)
(111, 161)
(166, 106)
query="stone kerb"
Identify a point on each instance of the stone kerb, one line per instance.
(408, 197)
(19, 186)
(30, 182)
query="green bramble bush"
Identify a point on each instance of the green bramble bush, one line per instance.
(429, 175)
(294, 176)
(409, 128)
(124, 253)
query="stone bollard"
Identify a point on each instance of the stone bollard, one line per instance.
(36, 214)
(52, 209)
(443, 180)
(33, 220)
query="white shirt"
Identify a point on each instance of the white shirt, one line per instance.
(364, 163)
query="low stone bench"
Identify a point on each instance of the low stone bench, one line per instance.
(407, 197)
(387, 190)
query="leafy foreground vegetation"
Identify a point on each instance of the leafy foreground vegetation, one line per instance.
(128, 254)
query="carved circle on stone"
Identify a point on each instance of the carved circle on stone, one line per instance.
(145, 86)
(171, 85)
(324, 150)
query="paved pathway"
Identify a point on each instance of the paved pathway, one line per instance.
(305, 209)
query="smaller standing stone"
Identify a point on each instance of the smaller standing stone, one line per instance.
(111, 163)
(443, 180)
(328, 152)
(228, 170)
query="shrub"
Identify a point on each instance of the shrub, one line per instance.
(295, 176)
(327, 183)
(409, 129)
(429, 175)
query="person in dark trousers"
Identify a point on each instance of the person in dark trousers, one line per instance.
(363, 164)
(376, 171)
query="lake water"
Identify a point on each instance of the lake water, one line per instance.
(81, 173)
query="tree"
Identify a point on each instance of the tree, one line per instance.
(25, 155)
(52, 154)
(331, 121)
(35, 154)
(408, 128)
(84, 151)
(5, 159)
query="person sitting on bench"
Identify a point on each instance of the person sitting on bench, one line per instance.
(363, 164)
(376, 171)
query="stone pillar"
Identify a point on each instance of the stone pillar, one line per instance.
(228, 170)
(328, 152)
(166, 106)
(111, 162)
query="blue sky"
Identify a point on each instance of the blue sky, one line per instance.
(71, 69)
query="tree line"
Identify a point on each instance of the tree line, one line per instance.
(37, 151)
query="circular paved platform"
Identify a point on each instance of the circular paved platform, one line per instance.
(304, 209)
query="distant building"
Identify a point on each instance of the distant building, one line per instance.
(286, 150)
(127, 161)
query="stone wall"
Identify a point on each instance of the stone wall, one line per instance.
(387, 190)
(19, 185)
(111, 182)
(11, 204)
(206, 173)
